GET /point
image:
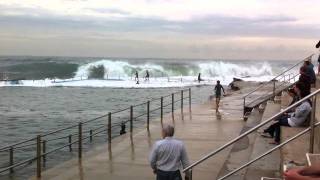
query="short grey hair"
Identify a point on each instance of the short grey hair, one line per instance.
(168, 130)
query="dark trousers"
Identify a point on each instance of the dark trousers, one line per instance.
(168, 175)
(274, 130)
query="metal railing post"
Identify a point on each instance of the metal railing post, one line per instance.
(161, 110)
(109, 127)
(181, 102)
(70, 141)
(244, 105)
(11, 158)
(90, 134)
(38, 156)
(131, 119)
(172, 105)
(312, 121)
(274, 88)
(44, 149)
(148, 115)
(190, 100)
(80, 140)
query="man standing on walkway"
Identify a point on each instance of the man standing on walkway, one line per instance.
(168, 155)
(217, 90)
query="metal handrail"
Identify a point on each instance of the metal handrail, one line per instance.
(41, 152)
(278, 75)
(249, 131)
(279, 86)
(5, 148)
(268, 152)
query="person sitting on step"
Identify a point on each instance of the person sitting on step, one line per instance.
(297, 118)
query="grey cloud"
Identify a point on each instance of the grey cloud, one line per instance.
(109, 11)
(279, 26)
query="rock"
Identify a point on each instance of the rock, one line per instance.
(237, 79)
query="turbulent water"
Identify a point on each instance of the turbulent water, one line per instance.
(111, 72)
(48, 93)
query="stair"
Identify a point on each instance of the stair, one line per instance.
(269, 165)
(242, 149)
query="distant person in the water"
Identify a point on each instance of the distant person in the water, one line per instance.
(217, 90)
(147, 76)
(136, 78)
(317, 46)
(199, 77)
(123, 128)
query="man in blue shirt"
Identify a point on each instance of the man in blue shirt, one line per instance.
(168, 155)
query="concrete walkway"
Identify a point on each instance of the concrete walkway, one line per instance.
(127, 157)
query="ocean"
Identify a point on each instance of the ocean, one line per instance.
(48, 93)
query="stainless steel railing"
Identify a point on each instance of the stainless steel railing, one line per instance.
(76, 134)
(282, 77)
(311, 128)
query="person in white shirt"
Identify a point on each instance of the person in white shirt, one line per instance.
(168, 155)
(294, 119)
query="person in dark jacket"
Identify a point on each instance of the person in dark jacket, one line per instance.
(305, 78)
(217, 90)
(309, 70)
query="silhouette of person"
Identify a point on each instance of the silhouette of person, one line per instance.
(147, 76)
(136, 78)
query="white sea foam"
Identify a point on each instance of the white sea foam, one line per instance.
(152, 83)
(119, 74)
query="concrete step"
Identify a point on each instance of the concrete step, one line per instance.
(268, 166)
(242, 149)
(292, 154)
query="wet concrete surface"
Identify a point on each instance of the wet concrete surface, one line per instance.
(127, 156)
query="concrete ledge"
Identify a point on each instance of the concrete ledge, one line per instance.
(313, 159)
(295, 150)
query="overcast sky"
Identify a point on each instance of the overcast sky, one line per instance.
(209, 29)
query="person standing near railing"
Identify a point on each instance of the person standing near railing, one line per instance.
(168, 155)
(309, 70)
(305, 79)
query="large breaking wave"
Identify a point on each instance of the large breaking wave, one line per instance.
(116, 69)
(120, 73)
